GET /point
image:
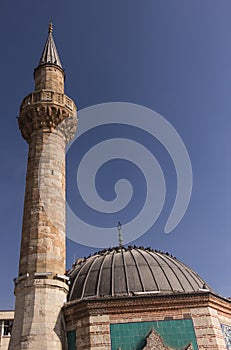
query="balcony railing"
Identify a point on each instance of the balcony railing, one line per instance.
(48, 96)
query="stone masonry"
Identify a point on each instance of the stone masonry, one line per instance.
(47, 121)
(92, 318)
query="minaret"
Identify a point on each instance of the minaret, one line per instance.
(47, 122)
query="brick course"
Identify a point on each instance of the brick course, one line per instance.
(207, 311)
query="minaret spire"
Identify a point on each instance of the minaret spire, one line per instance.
(47, 121)
(50, 52)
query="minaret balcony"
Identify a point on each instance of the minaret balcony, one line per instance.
(47, 109)
(48, 96)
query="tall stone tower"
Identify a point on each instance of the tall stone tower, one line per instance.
(47, 122)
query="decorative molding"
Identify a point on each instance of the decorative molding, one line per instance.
(146, 305)
(48, 96)
(155, 342)
(47, 117)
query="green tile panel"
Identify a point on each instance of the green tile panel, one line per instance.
(131, 336)
(71, 340)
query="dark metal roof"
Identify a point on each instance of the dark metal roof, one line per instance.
(131, 271)
(50, 53)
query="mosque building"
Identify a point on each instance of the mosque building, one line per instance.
(121, 298)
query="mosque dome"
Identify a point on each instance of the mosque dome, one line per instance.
(131, 271)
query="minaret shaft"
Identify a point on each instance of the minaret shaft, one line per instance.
(48, 122)
(49, 77)
(43, 237)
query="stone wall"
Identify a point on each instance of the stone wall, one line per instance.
(206, 310)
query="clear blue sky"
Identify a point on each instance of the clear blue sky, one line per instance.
(171, 56)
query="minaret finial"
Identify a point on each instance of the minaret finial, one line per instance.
(119, 227)
(50, 30)
(50, 54)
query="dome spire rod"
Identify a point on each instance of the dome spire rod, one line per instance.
(119, 227)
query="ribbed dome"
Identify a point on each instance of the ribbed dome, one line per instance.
(131, 271)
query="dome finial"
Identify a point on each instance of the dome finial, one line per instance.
(50, 29)
(119, 227)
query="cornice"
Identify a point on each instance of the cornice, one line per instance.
(146, 304)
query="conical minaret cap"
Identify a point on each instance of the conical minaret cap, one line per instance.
(50, 54)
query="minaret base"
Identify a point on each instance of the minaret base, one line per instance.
(39, 322)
